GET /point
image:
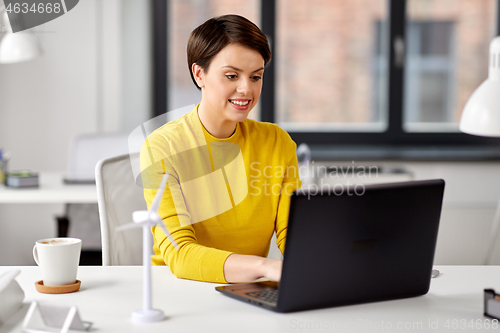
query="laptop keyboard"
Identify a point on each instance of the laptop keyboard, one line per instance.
(268, 295)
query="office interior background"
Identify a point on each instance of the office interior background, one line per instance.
(342, 79)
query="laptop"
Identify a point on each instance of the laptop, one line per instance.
(370, 243)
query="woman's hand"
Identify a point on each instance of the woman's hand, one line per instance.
(272, 269)
(246, 268)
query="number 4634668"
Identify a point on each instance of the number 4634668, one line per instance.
(34, 8)
(478, 324)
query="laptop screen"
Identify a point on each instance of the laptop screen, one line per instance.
(362, 246)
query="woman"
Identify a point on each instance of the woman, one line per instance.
(230, 177)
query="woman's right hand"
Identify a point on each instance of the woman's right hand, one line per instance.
(272, 269)
(247, 268)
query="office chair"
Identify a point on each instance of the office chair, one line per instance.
(118, 197)
(82, 220)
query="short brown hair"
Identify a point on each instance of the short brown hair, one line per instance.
(212, 36)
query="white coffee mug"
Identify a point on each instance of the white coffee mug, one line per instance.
(58, 259)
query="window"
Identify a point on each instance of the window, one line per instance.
(357, 72)
(326, 66)
(183, 17)
(429, 77)
(173, 22)
(446, 60)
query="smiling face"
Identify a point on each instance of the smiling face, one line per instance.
(231, 87)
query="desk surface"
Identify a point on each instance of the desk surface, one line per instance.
(51, 190)
(108, 295)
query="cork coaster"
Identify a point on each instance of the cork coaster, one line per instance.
(68, 288)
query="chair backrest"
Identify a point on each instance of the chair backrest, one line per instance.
(118, 197)
(87, 149)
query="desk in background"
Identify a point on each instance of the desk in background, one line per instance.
(35, 209)
(52, 189)
(108, 295)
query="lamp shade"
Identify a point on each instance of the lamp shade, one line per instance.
(17, 47)
(481, 115)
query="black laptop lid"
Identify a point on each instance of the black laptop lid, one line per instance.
(374, 244)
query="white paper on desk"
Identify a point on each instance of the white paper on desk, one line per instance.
(11, 295)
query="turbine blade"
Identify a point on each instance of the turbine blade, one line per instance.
(129, 226)
(156, 201)
(169, 236)
(159, 222)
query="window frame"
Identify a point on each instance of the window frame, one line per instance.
(393, 137)
(395, 134)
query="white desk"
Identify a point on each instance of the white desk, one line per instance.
(109, 294)
(51, 190)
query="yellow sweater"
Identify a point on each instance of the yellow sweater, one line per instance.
(223, 196)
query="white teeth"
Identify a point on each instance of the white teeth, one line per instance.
(239, 103)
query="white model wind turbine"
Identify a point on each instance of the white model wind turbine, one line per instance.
(146, 220)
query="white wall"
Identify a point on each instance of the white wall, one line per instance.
(136, 63)
(45, 102)
(90, 79)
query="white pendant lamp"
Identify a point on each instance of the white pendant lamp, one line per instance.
(17, 47)
(481, 115)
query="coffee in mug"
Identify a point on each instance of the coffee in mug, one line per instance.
(58, 259)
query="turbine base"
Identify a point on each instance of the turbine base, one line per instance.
(147, 316)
